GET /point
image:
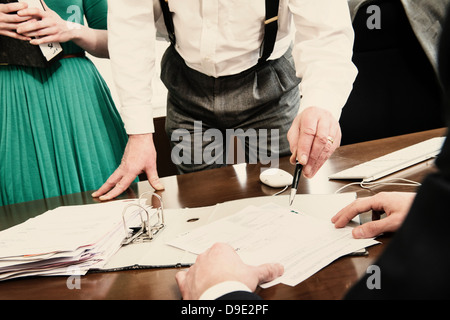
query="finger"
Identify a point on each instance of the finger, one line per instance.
(33, 26)
(373, 229)
(14, 35)
(13, 7)
(307, 133)
(312, 168)
(13, 18)
(34, 12)
(119, 188)
(43, 40)
(344, 216)
(268, 272)
(320, 144)
(153, 179)
(292, 136)
(8, 26)
(45, 32)
(110, 183)
(180, 277)
(332, 143)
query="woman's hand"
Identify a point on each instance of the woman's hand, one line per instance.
(9, 20)
(46, 26)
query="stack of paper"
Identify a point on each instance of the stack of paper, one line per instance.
(65, 241)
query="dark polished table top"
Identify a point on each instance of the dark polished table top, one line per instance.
(209, 188)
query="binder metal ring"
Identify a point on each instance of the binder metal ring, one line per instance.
(147, 231)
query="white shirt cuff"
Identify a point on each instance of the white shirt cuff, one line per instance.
(223, 288)
(137, 119)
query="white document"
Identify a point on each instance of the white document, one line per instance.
(65, 240)
(49, 50)
(302, 243)
(158, 253)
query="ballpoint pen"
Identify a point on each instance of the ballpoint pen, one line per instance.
(296, 179)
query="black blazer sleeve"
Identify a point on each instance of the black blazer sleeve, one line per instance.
(416, 264)
(240, 295)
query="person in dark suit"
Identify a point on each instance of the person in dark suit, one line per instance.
(415, 265)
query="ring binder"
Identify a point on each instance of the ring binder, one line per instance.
(148, 230)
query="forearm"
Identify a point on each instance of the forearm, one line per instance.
(93, 41)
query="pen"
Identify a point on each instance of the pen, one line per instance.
(297, 173)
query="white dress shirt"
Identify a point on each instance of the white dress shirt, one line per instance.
(223, 37)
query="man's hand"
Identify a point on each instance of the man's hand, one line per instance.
(313, 137)
(396, 205)
(221, 263)
(139, 156)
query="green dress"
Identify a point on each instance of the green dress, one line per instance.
(60, 132)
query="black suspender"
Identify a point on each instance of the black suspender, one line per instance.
(270, 30)
(270, 27)
(168, 20)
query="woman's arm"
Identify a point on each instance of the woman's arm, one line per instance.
(48, 26)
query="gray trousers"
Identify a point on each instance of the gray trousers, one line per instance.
(204, 113)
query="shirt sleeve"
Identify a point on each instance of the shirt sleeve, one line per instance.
(223, 288)
(131, 42)
(323, 49)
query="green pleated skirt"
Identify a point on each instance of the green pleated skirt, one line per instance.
(60, 132)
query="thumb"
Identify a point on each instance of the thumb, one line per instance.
(180, 276)
(268, 272)
(371, 229)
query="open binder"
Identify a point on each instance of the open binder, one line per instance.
(158, 254)
(141, 234)
(261, 230)
(22, 53)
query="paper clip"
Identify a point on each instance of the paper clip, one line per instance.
(148, 230)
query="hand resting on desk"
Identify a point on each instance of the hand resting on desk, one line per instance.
(219, 264)
(396, 205)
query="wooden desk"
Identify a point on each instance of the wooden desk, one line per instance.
(208, 188)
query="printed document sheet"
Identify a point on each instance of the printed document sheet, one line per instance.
(302, 243)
